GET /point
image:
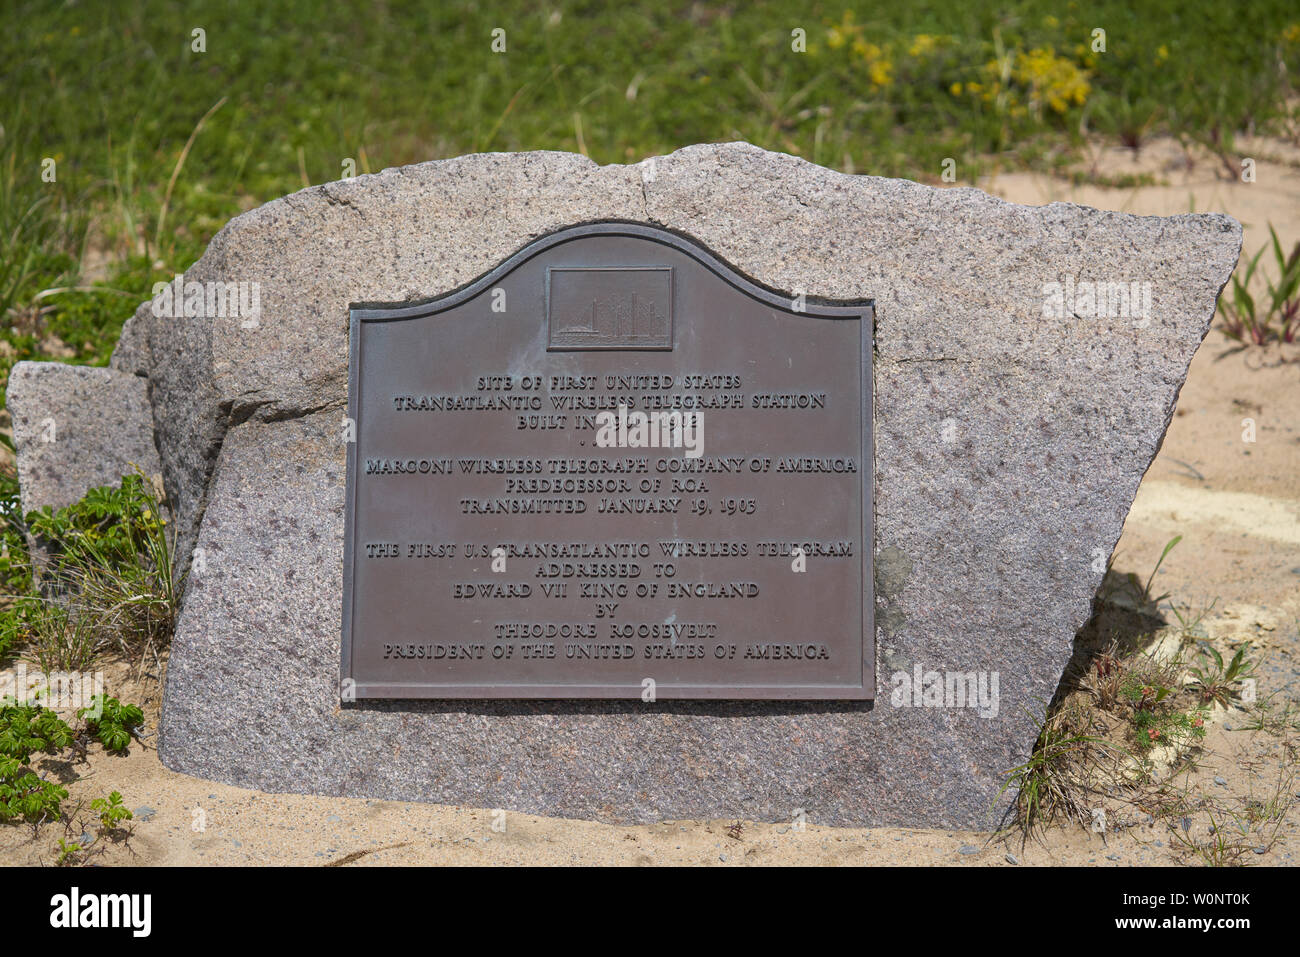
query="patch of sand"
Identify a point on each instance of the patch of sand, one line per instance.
(1175, 507)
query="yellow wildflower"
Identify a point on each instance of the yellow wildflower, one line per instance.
(868, 51)
(922, 45)
(839, 35)
(1052, 81)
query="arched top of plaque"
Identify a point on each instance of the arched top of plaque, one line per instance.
(616, 286)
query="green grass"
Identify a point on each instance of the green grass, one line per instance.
(112, 92)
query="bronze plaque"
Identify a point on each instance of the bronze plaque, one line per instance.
(610, 468)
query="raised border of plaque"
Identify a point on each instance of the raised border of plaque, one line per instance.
(608, 330)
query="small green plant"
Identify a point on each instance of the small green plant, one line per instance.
(112, 815)
(1144, 591)
(24, 730)
(1217, 681)
(1141, 695)
(1149, 691)
(70, 853)
(1173, 728)
(27, 728)
(111, 722)
(25, 794)
(112, 812)
(1277, 318)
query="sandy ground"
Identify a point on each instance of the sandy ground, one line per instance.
(1236, 504)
